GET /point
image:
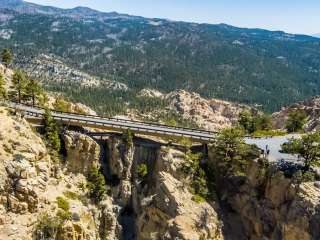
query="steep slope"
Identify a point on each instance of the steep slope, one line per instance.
(221, 61)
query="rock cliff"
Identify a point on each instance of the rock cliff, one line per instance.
(312, 109)
(267, 205)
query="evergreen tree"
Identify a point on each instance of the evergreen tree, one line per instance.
(6, 57)
(308, 147)
(296, 120)
(232, 152)
(96, 184)
(3, 93)
(33, 90)
(19, 81)
(51, 131)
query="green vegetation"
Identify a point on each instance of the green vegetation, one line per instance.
(253, 123)
(304, 176)
(63, 203)
(96, 185)
(71, 195)
(142, 171)
(7, 57)
(33, 90)
(128, 137)
(3, 92)
(232, 153)
(48, 227)
(308, 148)
(62, 105)
(51, 132)
(192, 167)
(268, 133)
(265, 67)
(20, 82)
(296, 120)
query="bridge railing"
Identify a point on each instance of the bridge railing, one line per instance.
(140, 127)
(123, 120)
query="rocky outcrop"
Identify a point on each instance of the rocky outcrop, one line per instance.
(82, 152)
(29, 188)
(24, 165)
(168, 211)
(312, 109)
(210, 114)
(267, 205)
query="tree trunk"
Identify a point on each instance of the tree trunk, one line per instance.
(19, 96)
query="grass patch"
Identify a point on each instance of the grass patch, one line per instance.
(71, 195)
(268, 133)
(198, 199)
(63, 204)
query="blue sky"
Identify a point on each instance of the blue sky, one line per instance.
(294, 16)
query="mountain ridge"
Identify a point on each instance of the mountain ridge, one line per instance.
(251, 66)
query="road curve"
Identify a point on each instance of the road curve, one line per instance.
(116, 124)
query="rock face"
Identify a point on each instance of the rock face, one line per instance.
(267, 205)
(29, 189)
(167, 210)
(82, 152)
(312, 109)
(161, 203)
(210, 114)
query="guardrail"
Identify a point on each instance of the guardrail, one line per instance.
(122, 120)
(116, 123)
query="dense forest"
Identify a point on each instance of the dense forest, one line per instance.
(251, 66)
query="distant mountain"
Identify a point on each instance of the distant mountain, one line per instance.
(252, 66)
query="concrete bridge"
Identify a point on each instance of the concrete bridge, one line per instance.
(35, 115)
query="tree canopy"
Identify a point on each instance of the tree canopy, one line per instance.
(296, 120)
(232, 153)
(251, 122)
(6, 56)
(19, 81)
(308, 147)
(3, 92)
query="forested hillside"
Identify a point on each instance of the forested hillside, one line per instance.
(251, 66)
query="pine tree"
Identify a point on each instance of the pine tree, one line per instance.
(6, 57)
(51, 131)
(33, 90)
(19, 81)
(3, 93)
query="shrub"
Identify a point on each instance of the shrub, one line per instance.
(192, 167)
(63, 215)
(96, 185)
(308, 147)
(296, 120)
(251, 122)
(47, 227)
(142, 171)
(62, 105)
(71, 195)
(232, 153)
(63, 204)
(128, 137)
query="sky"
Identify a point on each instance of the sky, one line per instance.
(293, 16)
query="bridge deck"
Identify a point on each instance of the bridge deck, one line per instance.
(35, 115)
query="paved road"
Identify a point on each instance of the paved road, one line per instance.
(117, 124)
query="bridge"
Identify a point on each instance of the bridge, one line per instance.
(36, 114)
